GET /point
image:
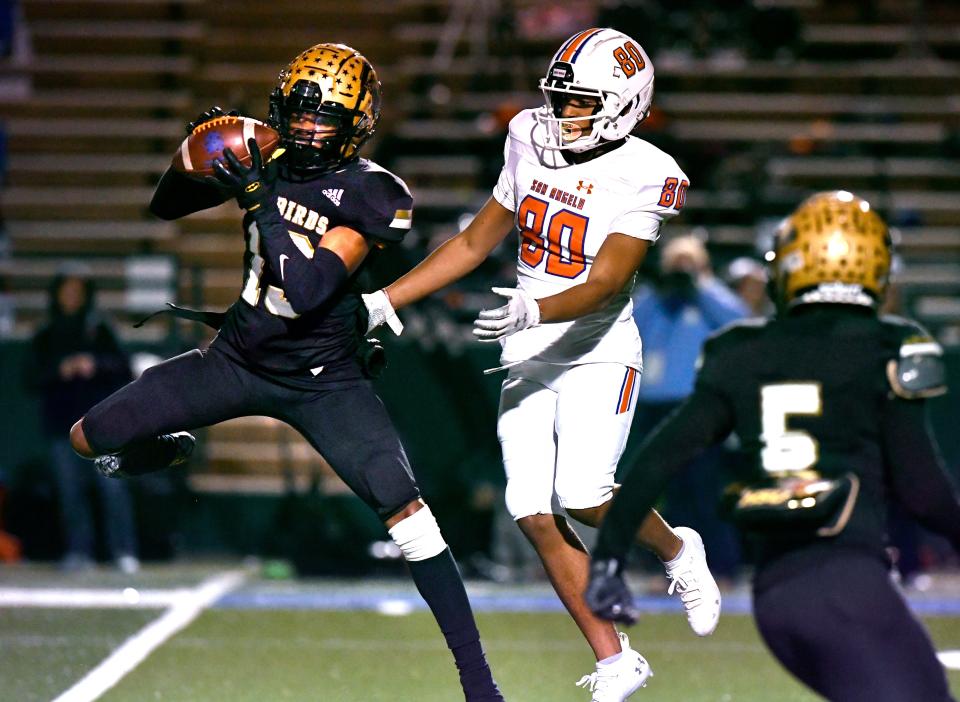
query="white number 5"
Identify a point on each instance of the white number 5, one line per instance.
(786, 449)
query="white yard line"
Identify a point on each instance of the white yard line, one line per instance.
(82, 598)
(186, 606)
(949, 659)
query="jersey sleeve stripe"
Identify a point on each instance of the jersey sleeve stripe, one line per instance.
(402, 219)
(928, 348)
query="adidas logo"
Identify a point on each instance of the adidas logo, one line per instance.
(334, 195)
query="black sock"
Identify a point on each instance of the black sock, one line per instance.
(438, 580)
(148, 455)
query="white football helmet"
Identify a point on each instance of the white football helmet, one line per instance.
(599, 63)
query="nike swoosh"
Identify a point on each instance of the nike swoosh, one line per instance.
(283, 259)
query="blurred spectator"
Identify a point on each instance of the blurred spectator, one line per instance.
(747, 277)
(10, 547)
(3, 154)
(76, 361)
(7, 310)
(687, 304)
(8, 11)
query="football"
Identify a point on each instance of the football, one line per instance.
(198, 151)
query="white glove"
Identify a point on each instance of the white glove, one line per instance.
(381, 311)
(520, 312)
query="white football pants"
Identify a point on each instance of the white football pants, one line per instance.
(562, 430)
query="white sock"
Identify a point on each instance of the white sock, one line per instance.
(611, 660)
(683, 545)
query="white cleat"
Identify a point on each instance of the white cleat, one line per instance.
(617, 681)
(690, 577)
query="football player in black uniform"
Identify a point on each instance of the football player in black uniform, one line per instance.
(828, 400)
(288, 348)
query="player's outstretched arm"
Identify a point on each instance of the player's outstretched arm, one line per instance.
(455, 257)
(178, 195)
(617, 260)
(918, 476)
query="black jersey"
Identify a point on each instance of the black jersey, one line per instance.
(261, 327)
(809, 391)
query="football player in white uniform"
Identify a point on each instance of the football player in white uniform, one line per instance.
(588, 199)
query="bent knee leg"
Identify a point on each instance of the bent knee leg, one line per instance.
(527, 496)
(78, 440)
(418, 536)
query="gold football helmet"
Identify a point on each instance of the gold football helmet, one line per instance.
(833, 248)
(325, 106)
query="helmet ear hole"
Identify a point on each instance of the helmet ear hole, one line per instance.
(629, 106)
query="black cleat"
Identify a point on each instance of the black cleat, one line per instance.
(109, 466)
(185, 441)
(180, 444)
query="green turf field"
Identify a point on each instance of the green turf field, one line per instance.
(264, 655)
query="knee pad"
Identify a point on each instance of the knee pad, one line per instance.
(418, 536)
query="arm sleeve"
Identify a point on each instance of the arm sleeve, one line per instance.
(308, 281)
(918, 477)
(178, 195)
(701, 421)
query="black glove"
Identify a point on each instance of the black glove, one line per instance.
(607, 594)
(253, 187)
(370, 352)
(212, 113)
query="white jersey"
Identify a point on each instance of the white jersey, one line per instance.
(564, 213)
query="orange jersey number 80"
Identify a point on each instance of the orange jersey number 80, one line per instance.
(674, 193)
(564, 224)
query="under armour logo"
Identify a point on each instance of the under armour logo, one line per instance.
(334, 195)
(581, 185)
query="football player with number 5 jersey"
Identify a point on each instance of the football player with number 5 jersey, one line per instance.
(828, 399)
(291, 347)
(588, 199)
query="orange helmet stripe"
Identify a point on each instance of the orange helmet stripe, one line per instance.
(575, 44)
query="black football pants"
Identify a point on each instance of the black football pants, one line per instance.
(842, 628)
(344, 421)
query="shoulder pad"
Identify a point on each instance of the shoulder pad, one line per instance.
(729, 336)
(387, 210)
(918, 371)
(737, 329)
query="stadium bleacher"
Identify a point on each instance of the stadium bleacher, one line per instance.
(865, 102)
